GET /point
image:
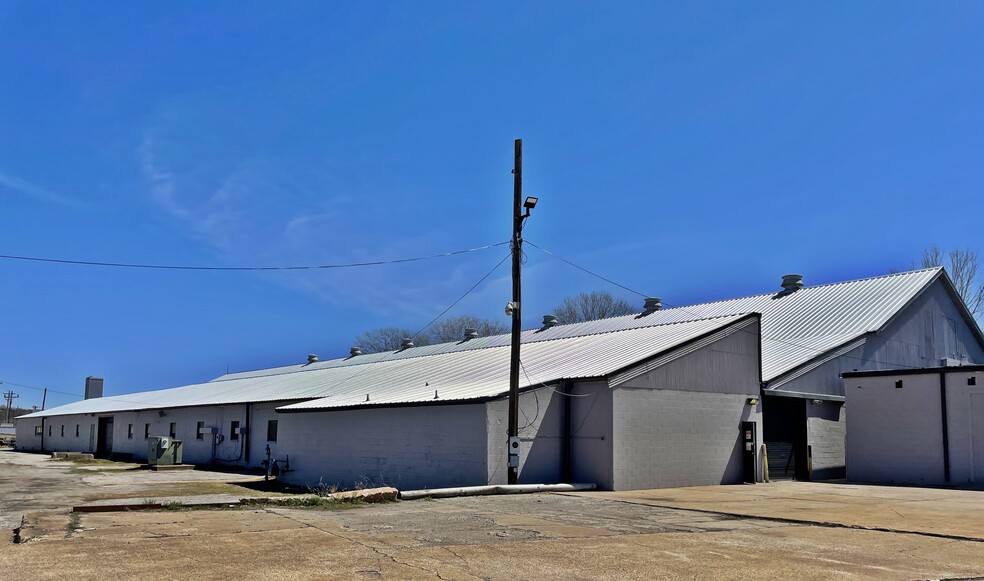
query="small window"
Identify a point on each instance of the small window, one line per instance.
(198, 431)
(272, 431)
(76, 430)
(173, 430)
(146, 431)
(49, 430)
(63, 431)
(38, 430)
(129, 431)
(234, 431)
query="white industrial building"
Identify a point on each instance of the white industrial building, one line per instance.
(639, 401)
(916, 426)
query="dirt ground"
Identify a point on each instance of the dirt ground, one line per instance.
(544, 536)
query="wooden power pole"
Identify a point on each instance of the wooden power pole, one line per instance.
(517, 319)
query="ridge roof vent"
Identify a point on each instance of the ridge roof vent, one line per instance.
(550, 321)
(355, 351)
(312, 358)
(407, 343)
(470, 333)
(651, 305)
(791, 283)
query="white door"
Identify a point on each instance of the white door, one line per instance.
(977, 434)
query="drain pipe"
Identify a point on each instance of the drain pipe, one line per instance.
(493, 489)
(246, 435)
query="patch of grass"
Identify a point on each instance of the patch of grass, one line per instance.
(172, 506)
(148, 501)
(317, 502)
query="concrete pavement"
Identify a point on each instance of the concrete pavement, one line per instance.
(942, 512)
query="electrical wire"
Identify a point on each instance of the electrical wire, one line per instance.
(595, 274)
(422, 329)
(250, 268)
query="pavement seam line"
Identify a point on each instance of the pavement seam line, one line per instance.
(826, 524)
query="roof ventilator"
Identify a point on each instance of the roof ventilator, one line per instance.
(312, 358)
(470, 333)
(355, 351)
(791, 283)
(651, 305)
(550, 321)
(407, 343)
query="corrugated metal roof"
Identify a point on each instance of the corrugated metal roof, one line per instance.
(796, 328)
(460, 375)
(466, 375)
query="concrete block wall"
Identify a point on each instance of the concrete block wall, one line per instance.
(541, 417)
(26, 439)
(826, 428)
(965, 418)
(186, 420)
(666, 438)
(894, 435)
(53, 438)
(406, 447)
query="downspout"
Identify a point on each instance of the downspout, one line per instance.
(565, 442)
(42, 433)
(248, 431)
(946, 434)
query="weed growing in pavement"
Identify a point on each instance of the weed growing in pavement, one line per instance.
(74, 522)
(172, 506)
(322, 489)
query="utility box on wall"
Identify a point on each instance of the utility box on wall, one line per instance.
(162, 451)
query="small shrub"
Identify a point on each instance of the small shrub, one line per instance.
(172, 506)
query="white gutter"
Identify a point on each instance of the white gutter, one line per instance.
(492, 489)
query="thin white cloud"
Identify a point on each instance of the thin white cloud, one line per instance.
(16, 184)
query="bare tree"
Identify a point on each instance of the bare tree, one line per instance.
(963, 272)
(387, 339)
(453, 328)
(591, 306)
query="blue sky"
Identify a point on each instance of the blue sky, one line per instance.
(692, 151)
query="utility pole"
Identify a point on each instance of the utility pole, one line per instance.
(514, 307)
(10, 396)
(517, 319)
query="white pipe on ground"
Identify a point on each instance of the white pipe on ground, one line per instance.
(492, 489)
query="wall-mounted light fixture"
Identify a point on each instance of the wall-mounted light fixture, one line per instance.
(752, 401)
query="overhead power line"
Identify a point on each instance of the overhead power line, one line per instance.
(592, 273)
(249, 268)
